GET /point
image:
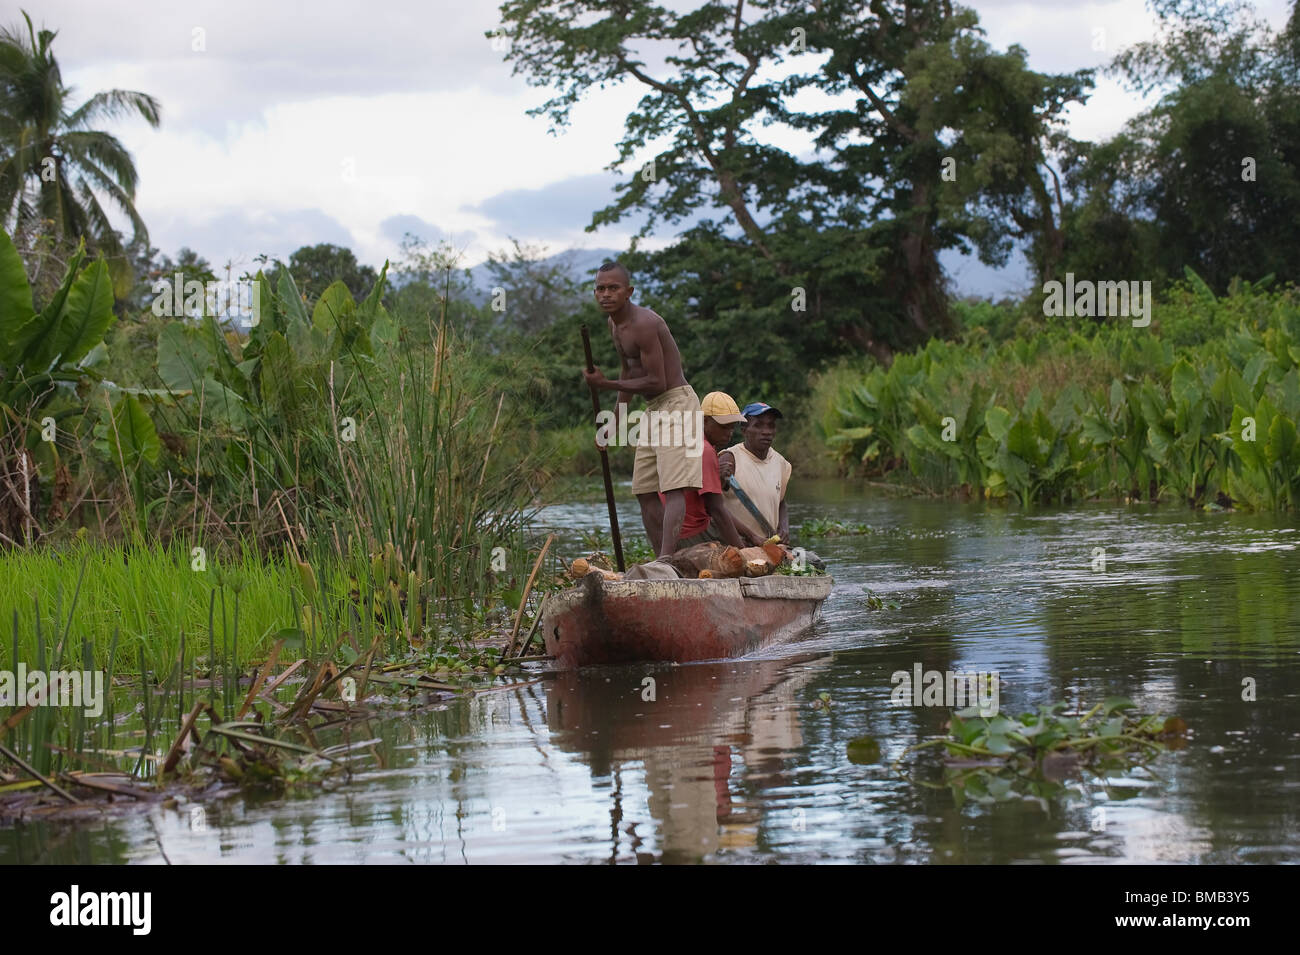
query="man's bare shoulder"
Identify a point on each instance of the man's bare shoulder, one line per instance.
(646, 323)
(649, 317)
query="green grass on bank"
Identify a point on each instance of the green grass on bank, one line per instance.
(148, 595)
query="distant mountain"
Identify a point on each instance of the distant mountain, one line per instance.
(581, 263)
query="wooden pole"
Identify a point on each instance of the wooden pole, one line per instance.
(604, 459)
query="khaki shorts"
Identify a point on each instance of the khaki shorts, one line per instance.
(669, 453)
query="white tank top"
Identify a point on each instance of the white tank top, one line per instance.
(764, 480)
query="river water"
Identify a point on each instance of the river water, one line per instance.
(1187, 613)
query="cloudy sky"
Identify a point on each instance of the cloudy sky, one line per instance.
(290, 123)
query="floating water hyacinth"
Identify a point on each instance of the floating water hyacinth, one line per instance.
(1033, 756)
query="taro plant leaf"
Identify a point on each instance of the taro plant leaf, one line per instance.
(1248, 451)
(1281, 447)
(1023, 443)
(372, 306)
(335, 309)
(851, 434)
(383, 331)
(310, 345)
(1198, 285)
(1288, 394)
(294, 309)
(185, 358)
(1184, 384)
(220, 404)
(998, 422)
(16, 312)
(1118, 398)
(1256, 367)
(335, 315)
(280, 381)
(1097, 428)
(227, 370)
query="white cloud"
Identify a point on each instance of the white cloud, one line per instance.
(261, 129)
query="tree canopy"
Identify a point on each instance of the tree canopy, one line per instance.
(56, 168)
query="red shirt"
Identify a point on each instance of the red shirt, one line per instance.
(697, 515)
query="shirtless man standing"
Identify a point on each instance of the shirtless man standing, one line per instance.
(652, 367)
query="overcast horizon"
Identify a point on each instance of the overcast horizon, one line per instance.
(288, 130)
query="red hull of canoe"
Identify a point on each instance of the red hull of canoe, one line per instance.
(602, 621)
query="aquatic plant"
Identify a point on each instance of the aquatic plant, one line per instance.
(830, 527)
(992, 758)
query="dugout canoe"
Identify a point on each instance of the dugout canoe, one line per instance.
(627, 621)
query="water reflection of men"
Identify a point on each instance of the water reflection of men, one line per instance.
(687, 745)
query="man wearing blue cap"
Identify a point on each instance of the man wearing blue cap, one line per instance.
(762, 473)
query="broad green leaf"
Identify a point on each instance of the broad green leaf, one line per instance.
(130, 435)
(16, 311)
(335, 311)
(999, 787)
(383, 330)
(1184, 386)
(1198, 284)
(1159, 441)
(1281, 447)
(1112, 727)
(35, 348)
(999, 745)
(1249, 451)
(1023, 443)
(227, 370)
(221, 405)
(998, 422)
(280, 378)
(185, 357)
(1117, 397)
(310, 345)
(1096, 429)
(1256, 366)
(372, 306)
(97, 357)
(86, 315)
(291, 299)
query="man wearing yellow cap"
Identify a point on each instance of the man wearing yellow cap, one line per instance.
(707, 518)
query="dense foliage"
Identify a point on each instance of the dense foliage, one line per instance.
(1202, 404)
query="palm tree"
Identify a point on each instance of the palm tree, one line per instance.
(53, 165)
